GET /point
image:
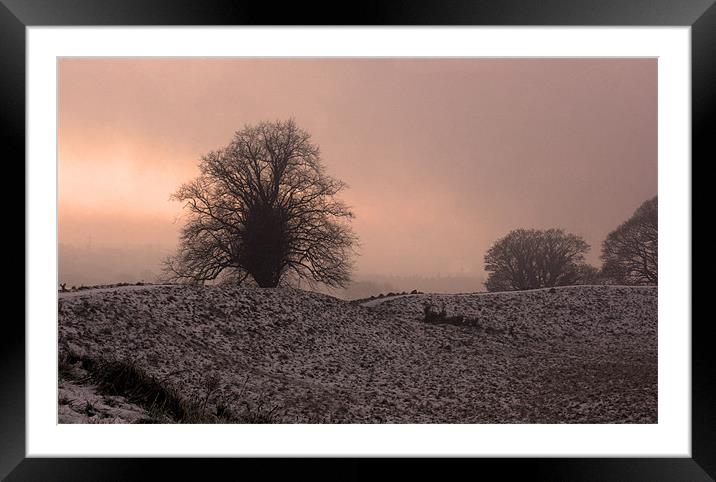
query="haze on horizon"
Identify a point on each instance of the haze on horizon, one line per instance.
(442, 156)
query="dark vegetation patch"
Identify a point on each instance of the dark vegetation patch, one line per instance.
(161, 401)
(386, 295)
(64, 288)
(432, 315)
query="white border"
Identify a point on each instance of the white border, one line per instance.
(670, 437)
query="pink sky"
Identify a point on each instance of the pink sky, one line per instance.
(442, 156)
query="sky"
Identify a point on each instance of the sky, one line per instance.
(442, 156)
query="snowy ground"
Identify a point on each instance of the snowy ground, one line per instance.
(79, 401)
(570, 355)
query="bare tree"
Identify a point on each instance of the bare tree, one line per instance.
(264, 207)
(588, 275)
(531, 258)
(630, 253)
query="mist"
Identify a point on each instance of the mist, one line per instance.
(442, 156)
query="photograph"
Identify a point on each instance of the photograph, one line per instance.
(357, 240)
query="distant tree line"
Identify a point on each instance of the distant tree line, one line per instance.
(531, 258)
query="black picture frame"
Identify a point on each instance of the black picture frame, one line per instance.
(16, 15)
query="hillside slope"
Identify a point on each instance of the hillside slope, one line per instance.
(578, 354)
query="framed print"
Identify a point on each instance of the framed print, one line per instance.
(418, 231)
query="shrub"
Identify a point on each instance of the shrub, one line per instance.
(433, 316)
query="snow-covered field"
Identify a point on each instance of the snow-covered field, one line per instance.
(81, 402)
(570, 355)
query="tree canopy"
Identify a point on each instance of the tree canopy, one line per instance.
(630, 253)
(530, 258)
(264, 208)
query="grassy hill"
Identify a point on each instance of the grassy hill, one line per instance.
(569, 355)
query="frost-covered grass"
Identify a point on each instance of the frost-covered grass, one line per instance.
(575, 355)
(80, 400)
(134, 391)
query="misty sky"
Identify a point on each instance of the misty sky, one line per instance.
(442, 156)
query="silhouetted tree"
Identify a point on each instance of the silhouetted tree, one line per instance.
(531, 258)
(264, 207)
(630, 252)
